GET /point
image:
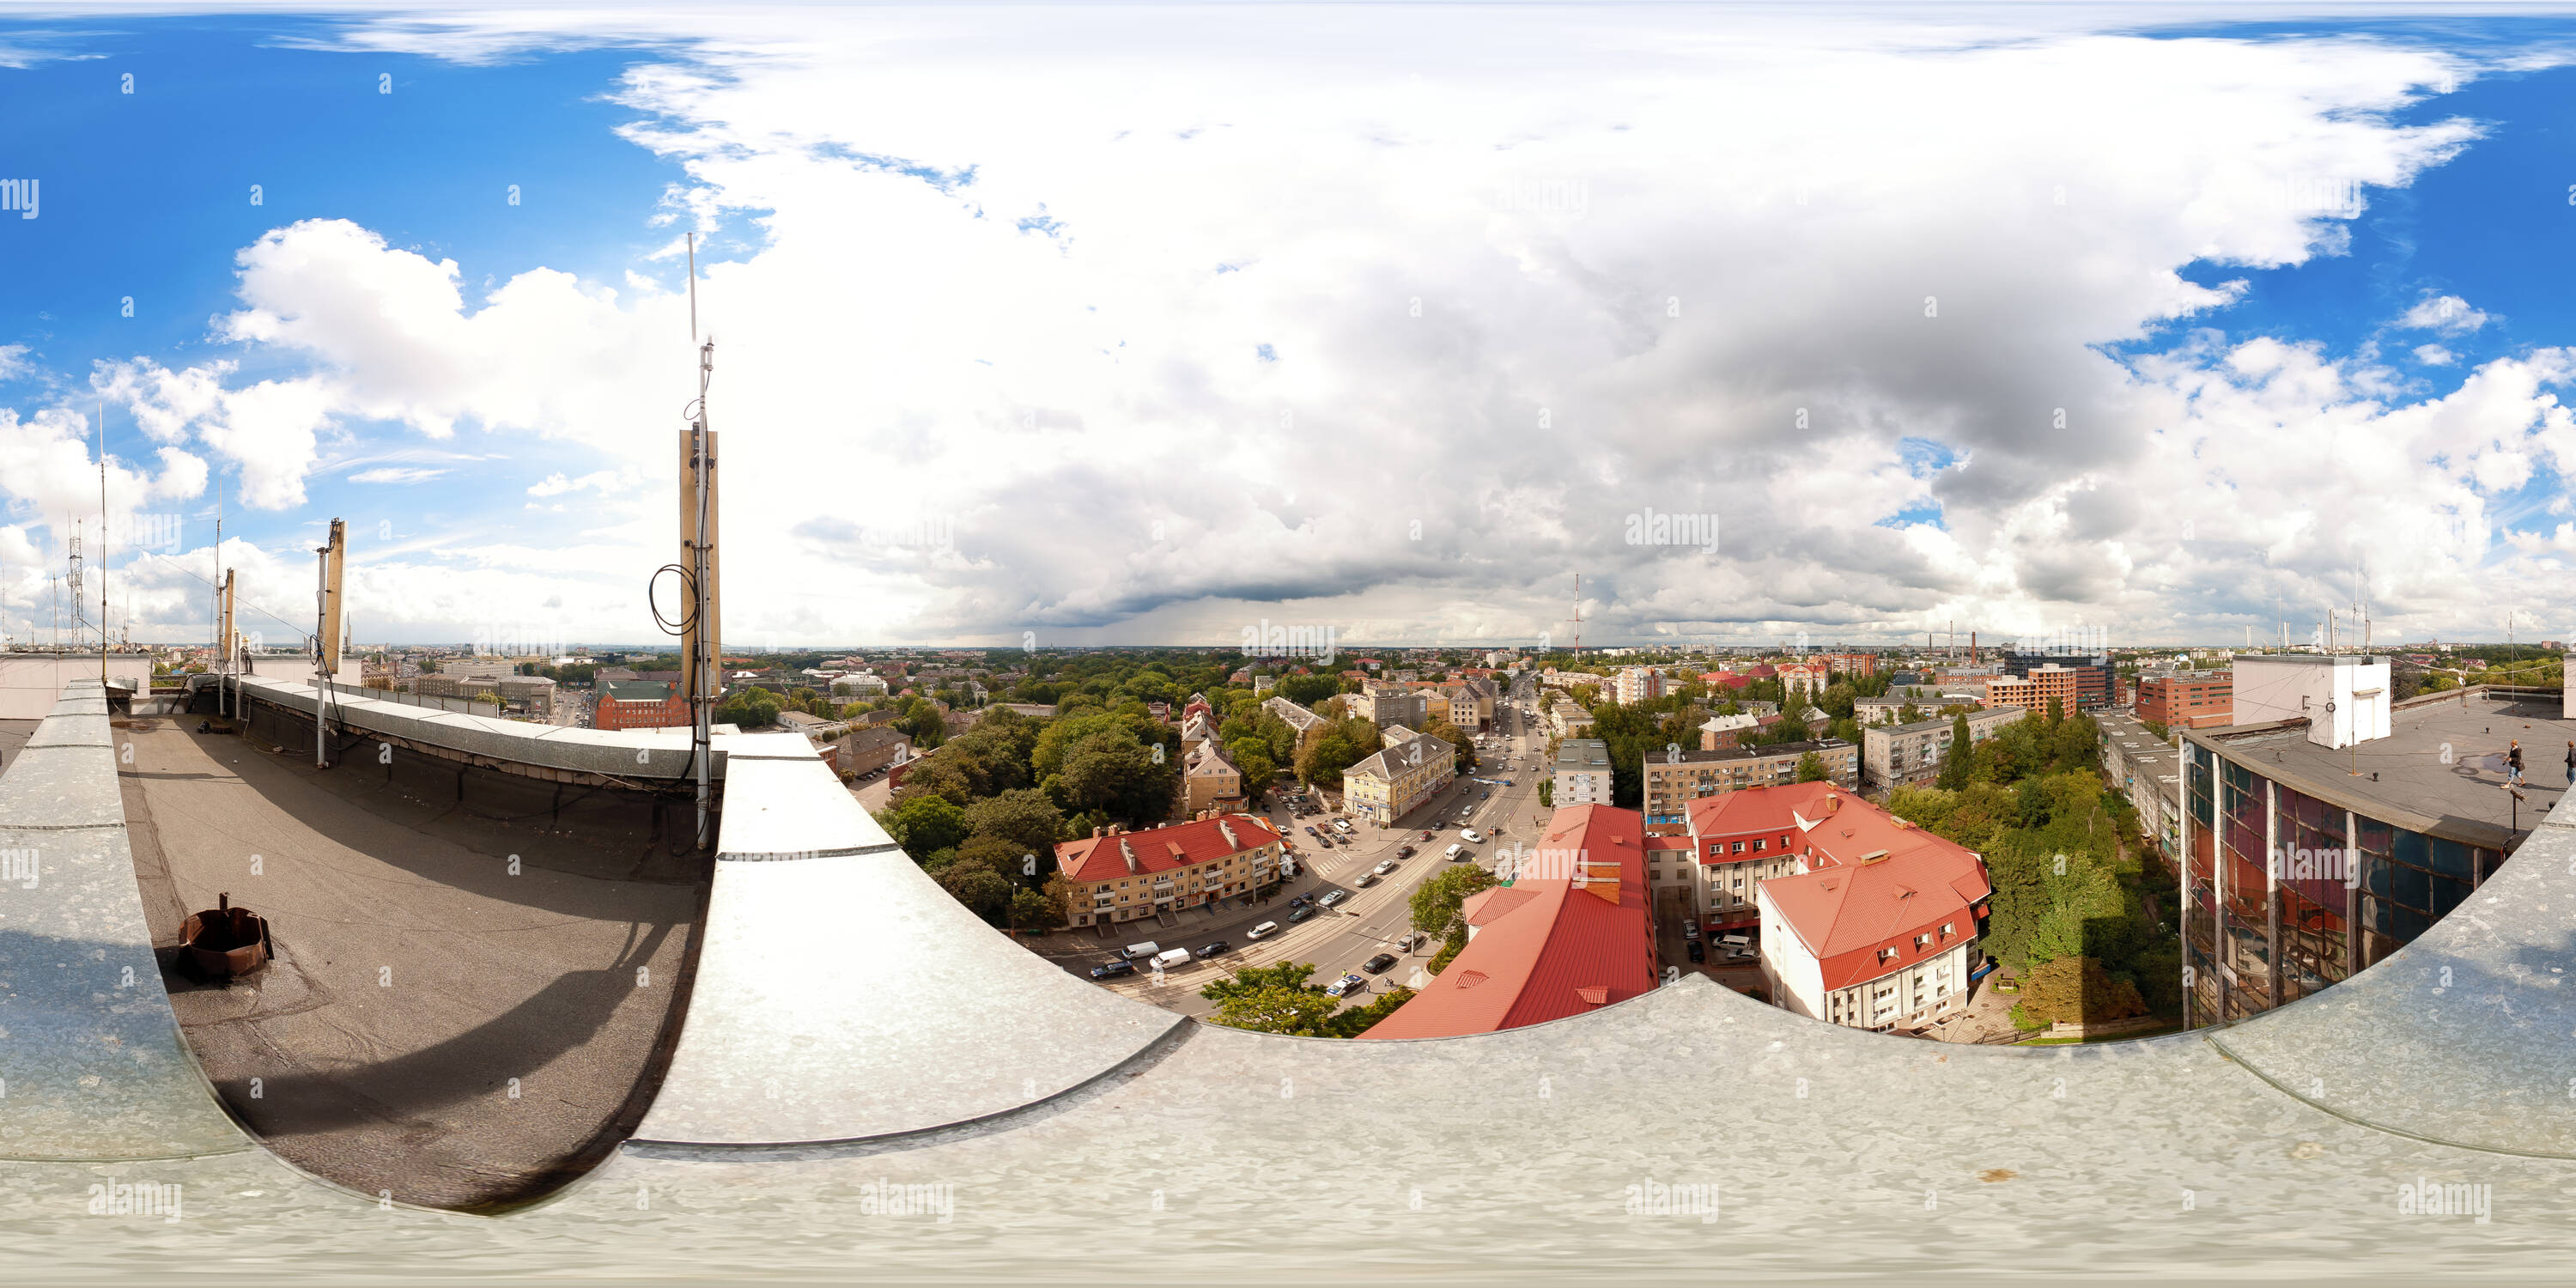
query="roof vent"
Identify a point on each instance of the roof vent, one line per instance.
(1470, 979)
(1596, 994)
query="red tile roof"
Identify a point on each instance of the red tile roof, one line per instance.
(1873, 883)
(1547, 947)
(1160, 849)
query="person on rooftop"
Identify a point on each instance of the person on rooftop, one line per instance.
(2513, 764)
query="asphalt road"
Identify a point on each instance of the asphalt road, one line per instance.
(1372, 921)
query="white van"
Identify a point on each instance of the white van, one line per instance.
(1264, 928)
(1455, 851)
(1342, 825)
(1170, 958)
(1139, 952)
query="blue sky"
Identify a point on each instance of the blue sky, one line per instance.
(1083, 306)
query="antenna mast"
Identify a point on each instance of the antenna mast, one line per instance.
(702, 644)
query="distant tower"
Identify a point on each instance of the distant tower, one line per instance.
(80, 619)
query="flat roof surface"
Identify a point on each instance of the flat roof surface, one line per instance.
(2441, 768)
(13, 735)
(434, 1024)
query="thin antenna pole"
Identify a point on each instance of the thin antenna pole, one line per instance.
(102, 549)
(693, 287)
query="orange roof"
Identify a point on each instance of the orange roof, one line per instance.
(1547, 947)
(1160, 849)
(1873, 883)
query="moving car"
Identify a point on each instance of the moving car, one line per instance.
(1426, 835)
(1113, 968)
(1456, 852)
(1265, 928)
(1332, 897)
(1404, 852)
(1384, 868)
(1366, 880)
(1346, 985)
(1171, 957)
(1377, 965)
(1698, 951)
(1300, 913)
(1213, 949)
(1139, 952)
(1471, 834)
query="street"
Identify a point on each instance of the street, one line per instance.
(1373, 920)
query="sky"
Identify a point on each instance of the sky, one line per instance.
(1071, 325)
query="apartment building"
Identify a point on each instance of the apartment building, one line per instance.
(1910, 755)
(1567, 720)
(1115, 875)
(1637, 684)
(1582, 775)
(1879, 926)
(1733, 843)
(2092, 677)
(1809, 679)
(1210, 780)
(1720, 732)
(1392, 703)
(1860, 664)
(640, 704)
(2188, 699)
(1309, 726)
(1399, 777)
(2147, 770)
(1671, 780)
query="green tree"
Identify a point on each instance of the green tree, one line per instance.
(1811, 768)
(1307, 690)
(1358, 1019)
(923, 824)
(1022, 818)
(1031, 910)
(983, 891)
(1295, 1011)
(1958, 764)
(1435, 903)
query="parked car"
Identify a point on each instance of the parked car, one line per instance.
(1213, 949)
(1300, 913)
(1690, 930)
(1346, 985)
(1300, 901)
(1471, 834)
(1698, 951)
(1265, 928)
(1377, 965)
(1332, 898)
(1366, 880)
(1426, 835)
(1383, 868)
(1113, 968)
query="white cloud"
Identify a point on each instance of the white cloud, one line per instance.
(1521, 279)
(396, 474)
(2448, 314)
(13, 362)
(2434, 355)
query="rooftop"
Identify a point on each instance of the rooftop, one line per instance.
(2441, 769)
(1579, 753)
(1161, 849)
(1547, 946)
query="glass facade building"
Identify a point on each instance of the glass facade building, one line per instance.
(2287, 893)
